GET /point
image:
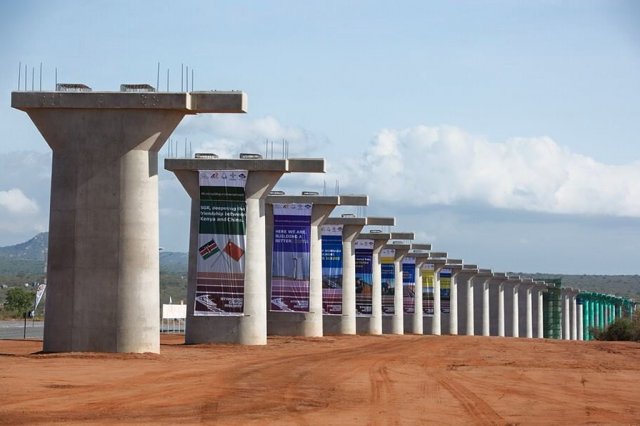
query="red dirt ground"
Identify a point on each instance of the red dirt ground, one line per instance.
(333, 380)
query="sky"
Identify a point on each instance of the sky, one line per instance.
(504, 133)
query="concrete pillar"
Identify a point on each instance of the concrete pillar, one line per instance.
(250, 328)
(437, 310)
(417, 313)
(349, 235)
(308, 324)
(529, 312)
(581, 321)
(103, 268)
(566, 332)
(470, 314)
(375, 325)
(398, 308)
(453, 310)
(516, 315)
(540, 314)
(574, 317)
(485, 308)
(501, 310)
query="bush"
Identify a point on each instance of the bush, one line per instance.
(19, 301)
(622, 329)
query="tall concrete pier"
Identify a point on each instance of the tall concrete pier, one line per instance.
(397, 319)
(420, 253)
(103, 270)
(308, 324)
(351, 228)
(459, 273)
(373, 324)
(438, 260)
(250, 326)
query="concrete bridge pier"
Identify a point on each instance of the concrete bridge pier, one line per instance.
(103, 267)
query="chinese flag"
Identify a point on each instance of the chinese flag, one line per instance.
(234, 251)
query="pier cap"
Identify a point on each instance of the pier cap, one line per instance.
(438, 255)
(381, 221)
(305, 165)
(310, 199)
(188, 102)
(362, 221)
(354, 200)
(403, 235)
(375, 236)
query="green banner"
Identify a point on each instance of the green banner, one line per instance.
(221, 243)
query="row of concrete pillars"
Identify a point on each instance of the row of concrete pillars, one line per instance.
(103, 269)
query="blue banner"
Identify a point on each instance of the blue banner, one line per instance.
(364, 276)
(445, 291)
(409, 285)
(291, 257)
(331, 269)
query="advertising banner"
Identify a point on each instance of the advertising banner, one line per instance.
(445, 291)
(409, 284)
(364, 276)
(427, 272)
(42, 288)
(388, 273)
(331, 269)
(290, 266)
(221, 243)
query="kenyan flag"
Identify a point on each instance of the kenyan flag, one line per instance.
(209, 249)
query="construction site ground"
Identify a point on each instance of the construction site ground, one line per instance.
(335, 380)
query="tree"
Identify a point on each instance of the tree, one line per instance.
(19, 301)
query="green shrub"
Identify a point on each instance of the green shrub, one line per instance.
(622, 329)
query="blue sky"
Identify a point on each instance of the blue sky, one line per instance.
(503, 132)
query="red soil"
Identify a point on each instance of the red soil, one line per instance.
(333, 380)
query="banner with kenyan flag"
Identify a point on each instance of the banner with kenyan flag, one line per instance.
(221, 243)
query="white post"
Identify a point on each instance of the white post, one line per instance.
(398, 310)
(417, 311)
(436, 329)
(566, 335)
(470, 313)
(529, 313)
(501, 310)
(574, 317)
(516, 314)
(581, 321)
(540, 315)
(375, 325)
(453, 310)
(485, 307)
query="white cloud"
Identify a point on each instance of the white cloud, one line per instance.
(228, 135)
(25, 183)
(16, 202)
(422, 166)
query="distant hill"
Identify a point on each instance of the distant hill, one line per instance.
(28, 258)
(33, 249)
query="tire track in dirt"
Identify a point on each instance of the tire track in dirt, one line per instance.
(477, 408)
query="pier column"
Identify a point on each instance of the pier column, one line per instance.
(501, 310)
(566, 314)
(486, 331)
(103, 267)
(516, 315)
(529, 312)
(540, 313)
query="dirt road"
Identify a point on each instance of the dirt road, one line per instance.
(334, 380)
